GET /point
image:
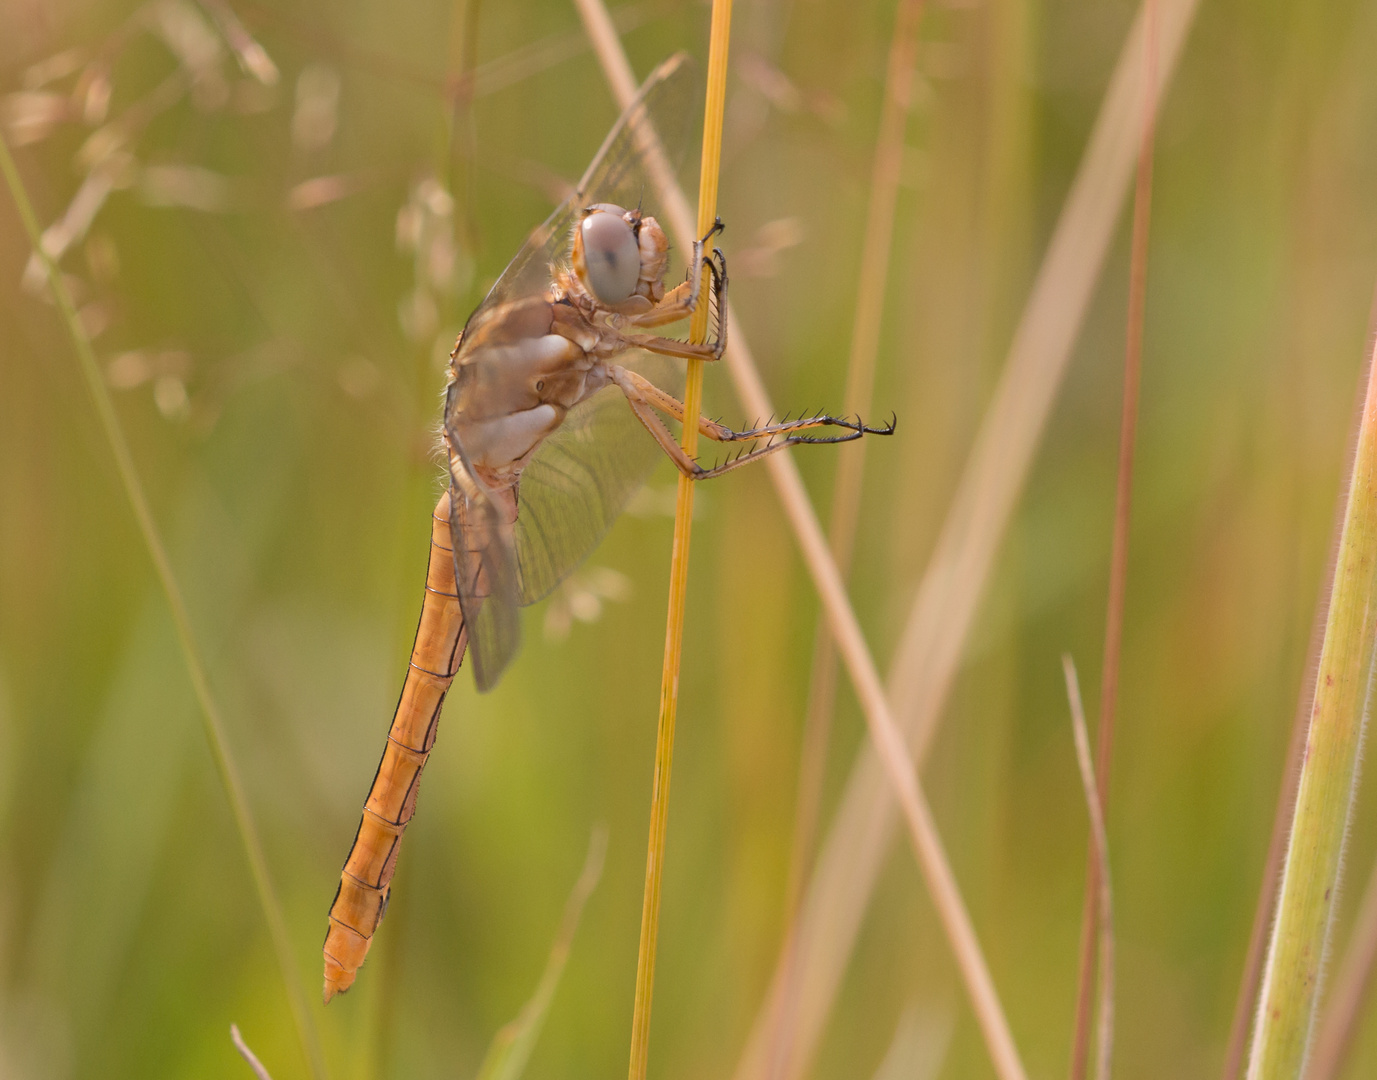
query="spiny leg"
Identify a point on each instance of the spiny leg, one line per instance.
(711, 429)
(645, 397)
(673, 308)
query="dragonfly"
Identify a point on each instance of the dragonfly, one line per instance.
(554, 415)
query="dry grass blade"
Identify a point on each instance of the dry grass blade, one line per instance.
(191, 653)
(930, 648)
(1324, 798)
(512, 1045)
(1099, 848)
(259, 1069)
(898, 770)
(1123, 512)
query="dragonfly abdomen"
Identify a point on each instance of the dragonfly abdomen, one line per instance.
(361, 899)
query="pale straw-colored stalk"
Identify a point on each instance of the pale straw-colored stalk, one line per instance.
(1324, 798)
(1099, 851)
(1118, 558)
(259, 1070)
(220, 753)
(898, 770)
(930, 648)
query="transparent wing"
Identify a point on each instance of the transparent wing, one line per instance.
(580, 480)
(485, 572)
(649, 137)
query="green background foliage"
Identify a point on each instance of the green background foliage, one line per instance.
(278, 370)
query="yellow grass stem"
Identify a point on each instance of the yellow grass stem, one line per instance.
(898, 771)
(678, 572)
(1324, 799)
(191, 652)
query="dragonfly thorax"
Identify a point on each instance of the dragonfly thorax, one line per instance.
(619, 259)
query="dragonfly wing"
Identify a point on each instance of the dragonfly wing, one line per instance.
(580, 479)
(650, 136)
(485, 573)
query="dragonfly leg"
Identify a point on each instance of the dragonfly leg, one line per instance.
(680, 303)
(647, 400)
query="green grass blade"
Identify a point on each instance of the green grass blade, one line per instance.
(1328, 783)
(191, 653)
(512, 1045)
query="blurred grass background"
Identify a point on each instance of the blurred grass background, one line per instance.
(277, 353)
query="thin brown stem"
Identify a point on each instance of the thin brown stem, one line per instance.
(1123, 509)
(860, 381)
(931, 647)
(846, 492)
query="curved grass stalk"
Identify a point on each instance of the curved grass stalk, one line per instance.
(225, 765)
(1099, 851)
(1324, 799)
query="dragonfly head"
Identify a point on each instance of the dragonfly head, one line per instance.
(620, 257)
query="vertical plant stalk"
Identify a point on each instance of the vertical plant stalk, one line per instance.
(846, 491)
(1099, 847)
(191, 651)
(1123, 514)
(860, 383)
(713, 110)
(884, 732)
(1328, 780)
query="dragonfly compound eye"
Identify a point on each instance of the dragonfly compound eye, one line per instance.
(611, 256)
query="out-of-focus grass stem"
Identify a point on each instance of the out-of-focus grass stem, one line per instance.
(1324, 799)
(191, 653)
(846, 493)
(1340, 1019)
(1123, 514)
(930, 649)
(1099, 848)
(932, 858)
(860, 382)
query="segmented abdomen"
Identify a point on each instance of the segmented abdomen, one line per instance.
(435, 657)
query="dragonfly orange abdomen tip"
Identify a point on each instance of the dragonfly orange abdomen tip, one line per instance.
(366, 879)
